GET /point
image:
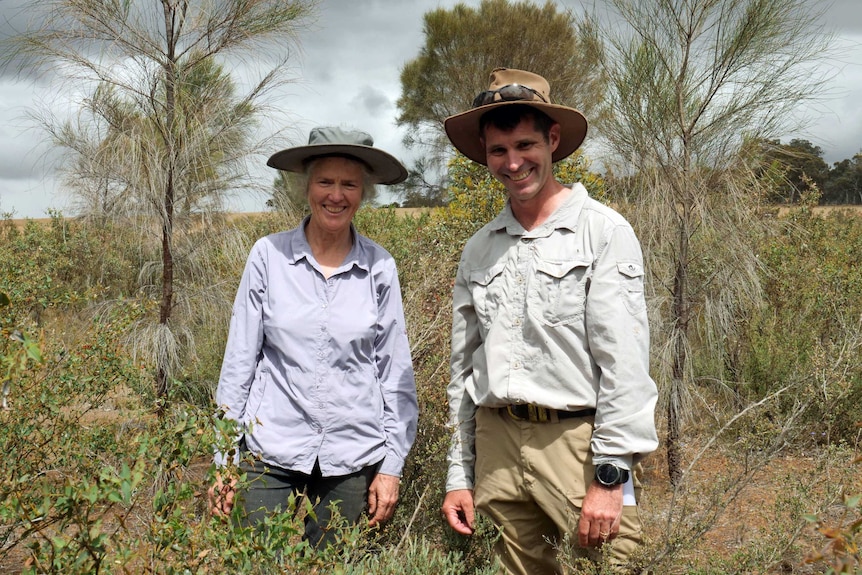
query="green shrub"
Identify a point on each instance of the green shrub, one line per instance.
(810, 329)
(94, 482)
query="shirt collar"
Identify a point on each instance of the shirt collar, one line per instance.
(301, 249)
(564, 217)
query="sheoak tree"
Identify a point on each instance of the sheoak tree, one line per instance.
(689, 84)
(161, 133)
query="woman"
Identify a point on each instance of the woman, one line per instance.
(317, 369)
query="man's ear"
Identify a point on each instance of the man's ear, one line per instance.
(554, 137)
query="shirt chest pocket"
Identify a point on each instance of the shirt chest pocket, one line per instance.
(632, 286)
(558, 291)
(488, 294)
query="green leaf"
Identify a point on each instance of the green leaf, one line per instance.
(4, 299)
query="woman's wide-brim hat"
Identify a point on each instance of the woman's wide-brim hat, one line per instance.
(463, 128)
(383, 168)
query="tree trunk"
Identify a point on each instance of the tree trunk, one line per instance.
(162, 371)
(166, 306)
(680, 357)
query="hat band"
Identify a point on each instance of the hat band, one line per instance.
(508, 93)
(345, 155)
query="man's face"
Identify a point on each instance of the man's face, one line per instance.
(521, 158)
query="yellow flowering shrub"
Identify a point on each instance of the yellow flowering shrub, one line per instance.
(475, 197)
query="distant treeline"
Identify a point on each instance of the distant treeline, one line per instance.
(803, 165)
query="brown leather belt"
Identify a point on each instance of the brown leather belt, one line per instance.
(539, 414)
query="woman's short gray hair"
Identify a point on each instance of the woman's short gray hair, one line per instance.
(367, 183)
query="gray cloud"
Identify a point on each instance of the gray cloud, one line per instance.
(373, 101)
(844, 16)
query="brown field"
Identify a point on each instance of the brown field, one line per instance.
(855, 210)
(21, 222)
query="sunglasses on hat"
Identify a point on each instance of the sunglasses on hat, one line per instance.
(509, 93)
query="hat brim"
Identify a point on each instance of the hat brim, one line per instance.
(463, 129)
(383, 167)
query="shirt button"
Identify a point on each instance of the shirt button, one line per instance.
(517, 321)
(516, 365)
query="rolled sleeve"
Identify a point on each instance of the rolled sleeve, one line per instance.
(396, 376)
(462, 408)
(618, 335)
(245, 338)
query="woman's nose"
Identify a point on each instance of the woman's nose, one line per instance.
(338, 190)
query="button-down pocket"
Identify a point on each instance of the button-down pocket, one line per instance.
(256, 394)
(632, 286)
(488, 295)
(558, 291)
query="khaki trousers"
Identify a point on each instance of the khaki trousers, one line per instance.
(531, 479)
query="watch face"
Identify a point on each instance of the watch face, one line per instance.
(608, 474)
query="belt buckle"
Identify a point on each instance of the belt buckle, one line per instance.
(535, 413)
(514, 415)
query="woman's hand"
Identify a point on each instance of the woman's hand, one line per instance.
(221, 495)
(382, 497)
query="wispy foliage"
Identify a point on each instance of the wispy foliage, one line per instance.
(689, 84)
(161, 133)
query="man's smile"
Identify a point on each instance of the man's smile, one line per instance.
(520, 176)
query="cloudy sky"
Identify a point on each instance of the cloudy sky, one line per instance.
(349, 75)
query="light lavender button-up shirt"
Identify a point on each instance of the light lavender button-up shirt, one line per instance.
(554, 316)
(316, 368)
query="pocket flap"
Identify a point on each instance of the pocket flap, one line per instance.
(484, 276)
(630, 269)
(559, 269)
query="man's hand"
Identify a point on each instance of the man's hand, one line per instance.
(382, 497)
(458, 510)
(600, 515)
(221, 495)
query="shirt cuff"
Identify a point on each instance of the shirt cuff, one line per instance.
(457, 479)
(391, 465)
(619, 461)
(221, 459)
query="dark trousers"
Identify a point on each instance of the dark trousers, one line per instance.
(270, 487)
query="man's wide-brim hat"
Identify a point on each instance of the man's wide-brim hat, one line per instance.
(463, 129)
(383, 168)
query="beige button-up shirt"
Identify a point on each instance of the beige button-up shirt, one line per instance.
(554, 316)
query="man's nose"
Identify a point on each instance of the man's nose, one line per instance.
(513, 160)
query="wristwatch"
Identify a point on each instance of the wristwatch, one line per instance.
(609, 474)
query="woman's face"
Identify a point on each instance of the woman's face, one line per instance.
(334, 193)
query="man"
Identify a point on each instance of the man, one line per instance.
(550, 398)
